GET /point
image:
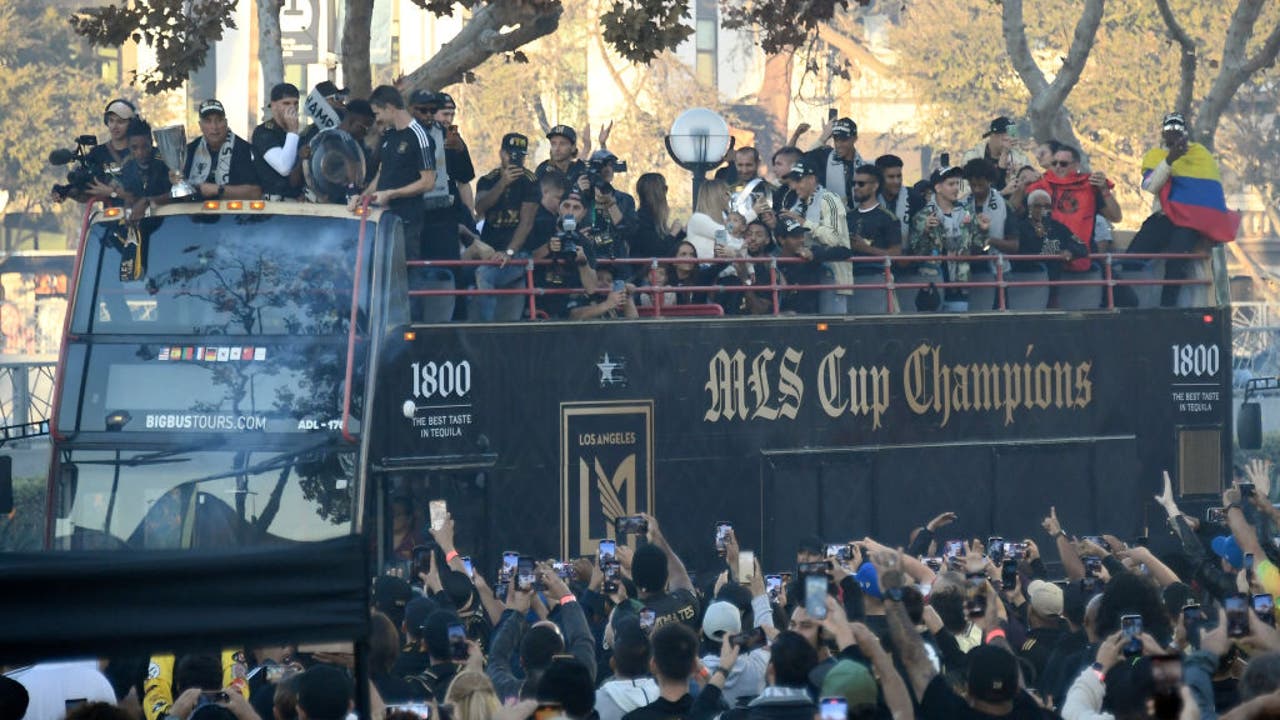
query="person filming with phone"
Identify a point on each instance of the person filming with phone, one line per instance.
(662, 583)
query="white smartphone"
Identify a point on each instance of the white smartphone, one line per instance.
(746, 566)
(439, 511)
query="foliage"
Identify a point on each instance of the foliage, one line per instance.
(639, 30)
(180, 31)
(784, 24)
(51, 91)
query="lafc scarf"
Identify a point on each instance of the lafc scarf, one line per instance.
(201, 162)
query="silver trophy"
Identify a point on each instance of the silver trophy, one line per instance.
(172, 143)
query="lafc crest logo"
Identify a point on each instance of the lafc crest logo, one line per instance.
(606, 470)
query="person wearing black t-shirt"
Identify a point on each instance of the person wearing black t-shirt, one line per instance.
(111, 155)
(275, 147)
(792, 238)
(219, 163)
(407, 171)
(573, 268)
(508, 199)
(144, 179)
(662, 582)
(564, 154)
(873, 230)
(551, 188)
(458, 158)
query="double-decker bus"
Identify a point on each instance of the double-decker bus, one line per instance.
(245, 373)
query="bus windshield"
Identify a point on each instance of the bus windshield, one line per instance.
(187, 499)
(219, 274)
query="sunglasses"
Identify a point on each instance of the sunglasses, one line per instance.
(1063, 163)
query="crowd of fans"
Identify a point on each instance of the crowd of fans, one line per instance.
(816, 208)
(1180, 624)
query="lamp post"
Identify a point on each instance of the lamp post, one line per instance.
(698, 141)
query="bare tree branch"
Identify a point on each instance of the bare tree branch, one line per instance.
(1015, 41)
(852, 49)
(1077, 56)
(1189, 59)
(1236, 67)
(483, 37)
(1047, 109)
(356, 29)
(270, 52)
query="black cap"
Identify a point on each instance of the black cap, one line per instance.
(391, 595)
(211, 106)
(844, 128)
(565, 132)
(446, 100)
(993, 674)
(424, 97)
(790, 227)
(327, 89)
(945, 173)
(283, 90)
(999, 126)
(798, 170)
(1174, 121)
(515, 143)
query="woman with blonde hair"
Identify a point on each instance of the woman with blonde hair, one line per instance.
(709, 217)
(472, 696)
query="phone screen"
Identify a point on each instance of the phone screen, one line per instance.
(723, 529)
(647, 619)
(746, 566)
(438, 513)
(1009, 574)
(834, 708)
(773, 586)
(1131, 627)
(1264, 606)
(510, 559)
(1190, 616)
(1092, 566)
(471, 570)
(955, 548)
(995, 548)
(524, 574)
(1237, 607)
(608, 551)
(458, 641)
(815, 596)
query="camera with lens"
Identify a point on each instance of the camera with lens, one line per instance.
(83, 173)
(598, 183)
(569, 237)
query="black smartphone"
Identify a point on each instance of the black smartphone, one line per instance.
(749, 640)
(1092, 566)
(1237, 607)
(723, 529)
(1215, 515)
(1264, 606)
(815, 596)
(1248, 566)
(1131, 628)
(1246, 490)
(458, 649)
(944, 159)
(631, 525)
(995, 549)
(611, 571)
(525, 575)
(1191, 616)
(1009, 574)
(832, 114)
(421, 561)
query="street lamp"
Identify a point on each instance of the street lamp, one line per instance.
(698, 141)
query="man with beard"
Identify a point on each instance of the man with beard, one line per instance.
(220, 163)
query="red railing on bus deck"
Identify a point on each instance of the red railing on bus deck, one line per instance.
(355, 316)
(1108, 280)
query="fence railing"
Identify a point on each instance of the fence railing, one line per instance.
(893, 275)
(26, 392)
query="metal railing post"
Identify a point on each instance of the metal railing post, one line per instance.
(528, 283)
(773, 284)
(1000, 285)
(1110, 278)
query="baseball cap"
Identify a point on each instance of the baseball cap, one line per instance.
(211, 106)
(945, 173)
(327, 89)
(791, 227)
(416, 613)
(424, 97)
(798, 170)
(869, 580)
(993, 674)
(575, 194)
(391, 595)
(515, 142)
(565, 132)
(844, 128)
(1226, 547)
(283, 90)
(999, 126)
(852, 681)
(1045, 598)
(121, 108)
(720, 619)
(1174, 121)
(446, 100)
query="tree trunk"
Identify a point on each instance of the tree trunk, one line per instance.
(483, 37)
(1237, 67)
(1047, 110)
(1189, 59)
(270, 54)
(357, 76)
(774, 98)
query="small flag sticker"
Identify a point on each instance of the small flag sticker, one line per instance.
(188, 353)
(210, 354)
(259, 354)
(164, 354)
(224, 354)
(247, 354)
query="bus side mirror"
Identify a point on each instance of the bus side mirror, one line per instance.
(68, 481)
(6, 484)
(1249, 426)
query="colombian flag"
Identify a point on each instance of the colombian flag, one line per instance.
(1193, 197)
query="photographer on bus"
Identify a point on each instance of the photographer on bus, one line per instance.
(612, 212)
(572, 250)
